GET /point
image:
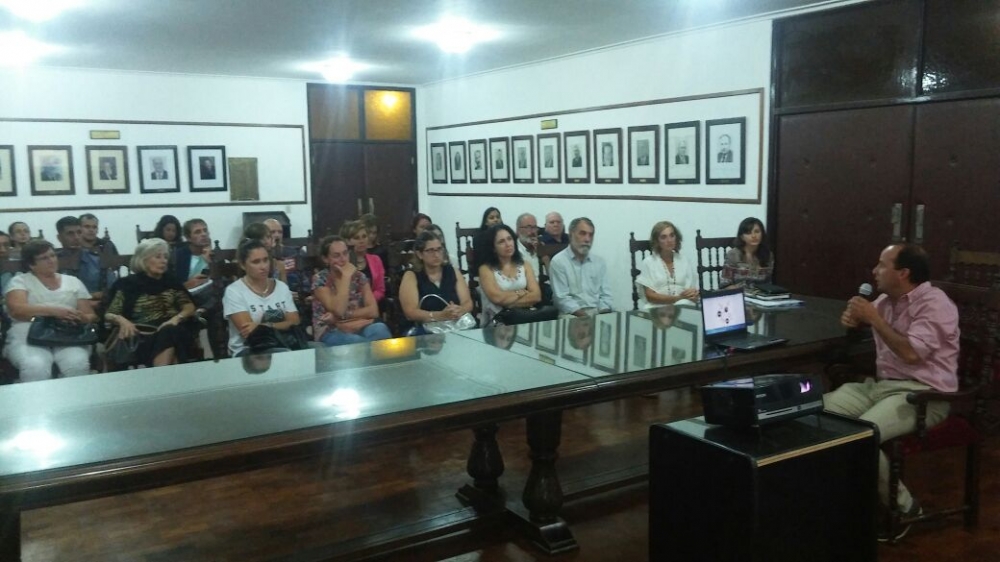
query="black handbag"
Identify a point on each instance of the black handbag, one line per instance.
(123, 351)
(48, 331)
(264, 338)
(514, 316)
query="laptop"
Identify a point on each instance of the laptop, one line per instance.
(723, 317)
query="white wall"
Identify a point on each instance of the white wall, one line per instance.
(139, 96)
(720, 59)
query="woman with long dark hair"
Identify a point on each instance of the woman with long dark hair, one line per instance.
(507, 281)
(168, 228)
(750, 261)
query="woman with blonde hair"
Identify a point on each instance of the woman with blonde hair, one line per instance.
(665, 277)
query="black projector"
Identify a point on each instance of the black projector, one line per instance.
(761, 400)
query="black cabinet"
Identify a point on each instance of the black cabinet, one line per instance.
(800, 490)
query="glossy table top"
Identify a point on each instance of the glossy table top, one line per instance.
(112, 416)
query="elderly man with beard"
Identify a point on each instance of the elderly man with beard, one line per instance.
(580, 280)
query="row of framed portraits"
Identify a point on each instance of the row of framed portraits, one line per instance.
(51, 169)
(603, 343)
(568, 157)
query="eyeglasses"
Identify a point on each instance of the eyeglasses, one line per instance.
(527, 227)
(436, 251)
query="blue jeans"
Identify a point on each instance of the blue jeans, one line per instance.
(371, 332)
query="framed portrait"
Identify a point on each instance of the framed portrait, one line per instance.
(607, 351)
(499, 161)
(608, 156)
(577, 156)
(679, 344)
(456, 158)
(644, 154)
(207, 168)
(524, 155)
(158, 169)
(107, 169)
(525, 333)
(439, 162)
(726, 151)
(683, 157)
(478, 161)
(8, 179)
(640, 337)
(578, 338)
(548, 158)
(547, 338)
(51, 169)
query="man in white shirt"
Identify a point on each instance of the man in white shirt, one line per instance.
(579, 280)
(527, 239)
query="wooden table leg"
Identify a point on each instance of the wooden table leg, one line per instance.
(543, 495)
(485, 465)
(10, 531)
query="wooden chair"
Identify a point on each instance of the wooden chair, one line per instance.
(978, 371)
(141, 234)
(465, 239)
(711, 259)
(306, 242)
(969, 267)
(642, 248)
(545, 253)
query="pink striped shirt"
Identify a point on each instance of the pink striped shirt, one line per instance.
(929, 320)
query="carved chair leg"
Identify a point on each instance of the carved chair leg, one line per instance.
(895, 475)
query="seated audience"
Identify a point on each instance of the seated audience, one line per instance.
(256, 299)
(344, 308)
(356, 235)
(374, 247)
(432, 276)
(19, 233)
(481, 242)
(506, 279)
(5, 276)
(751, 260)
(42, 291)
(420, 223)
(527, 240)
(288, 255)
(579, 279)
(554, 230)
(153, 297)
(665, 277)
(915, 326)
(191, 265)
(260, 232)
(79, 261)
(91, 239)
(168, 228)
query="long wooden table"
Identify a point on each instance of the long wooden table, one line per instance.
(69, 440)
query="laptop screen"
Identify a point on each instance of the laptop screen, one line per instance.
(723, 312)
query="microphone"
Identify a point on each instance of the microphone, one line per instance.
(865, 290)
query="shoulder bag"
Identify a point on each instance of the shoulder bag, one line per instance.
(464, 322)
(48, 331)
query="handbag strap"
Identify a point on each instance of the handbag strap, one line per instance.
(439, 297)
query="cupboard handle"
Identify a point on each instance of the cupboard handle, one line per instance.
(896, 218)
(918, 234)
(360, 212)
(371, 205)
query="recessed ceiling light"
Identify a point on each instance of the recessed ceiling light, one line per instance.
(38, 10)
(17, 49)
(456, 35)
(338, 69)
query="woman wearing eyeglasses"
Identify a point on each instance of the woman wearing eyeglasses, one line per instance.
(431, 275)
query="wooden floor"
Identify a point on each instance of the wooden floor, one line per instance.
(273, 513)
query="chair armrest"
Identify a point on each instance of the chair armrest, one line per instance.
(925, 396)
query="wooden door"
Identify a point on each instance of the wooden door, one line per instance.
(956, 179)
(840, 176)
(391, 184)
(338, 185)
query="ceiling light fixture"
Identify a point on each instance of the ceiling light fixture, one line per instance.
(339, 69)
(17, 49)
(456, 35)
(38, 10)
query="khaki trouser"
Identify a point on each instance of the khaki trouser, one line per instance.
(884, 404)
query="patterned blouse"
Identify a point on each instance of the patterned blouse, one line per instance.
(738, 271)
(355, 299)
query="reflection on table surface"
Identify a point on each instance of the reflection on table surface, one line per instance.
(634, 341)
(110, 416)
(79, 420)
